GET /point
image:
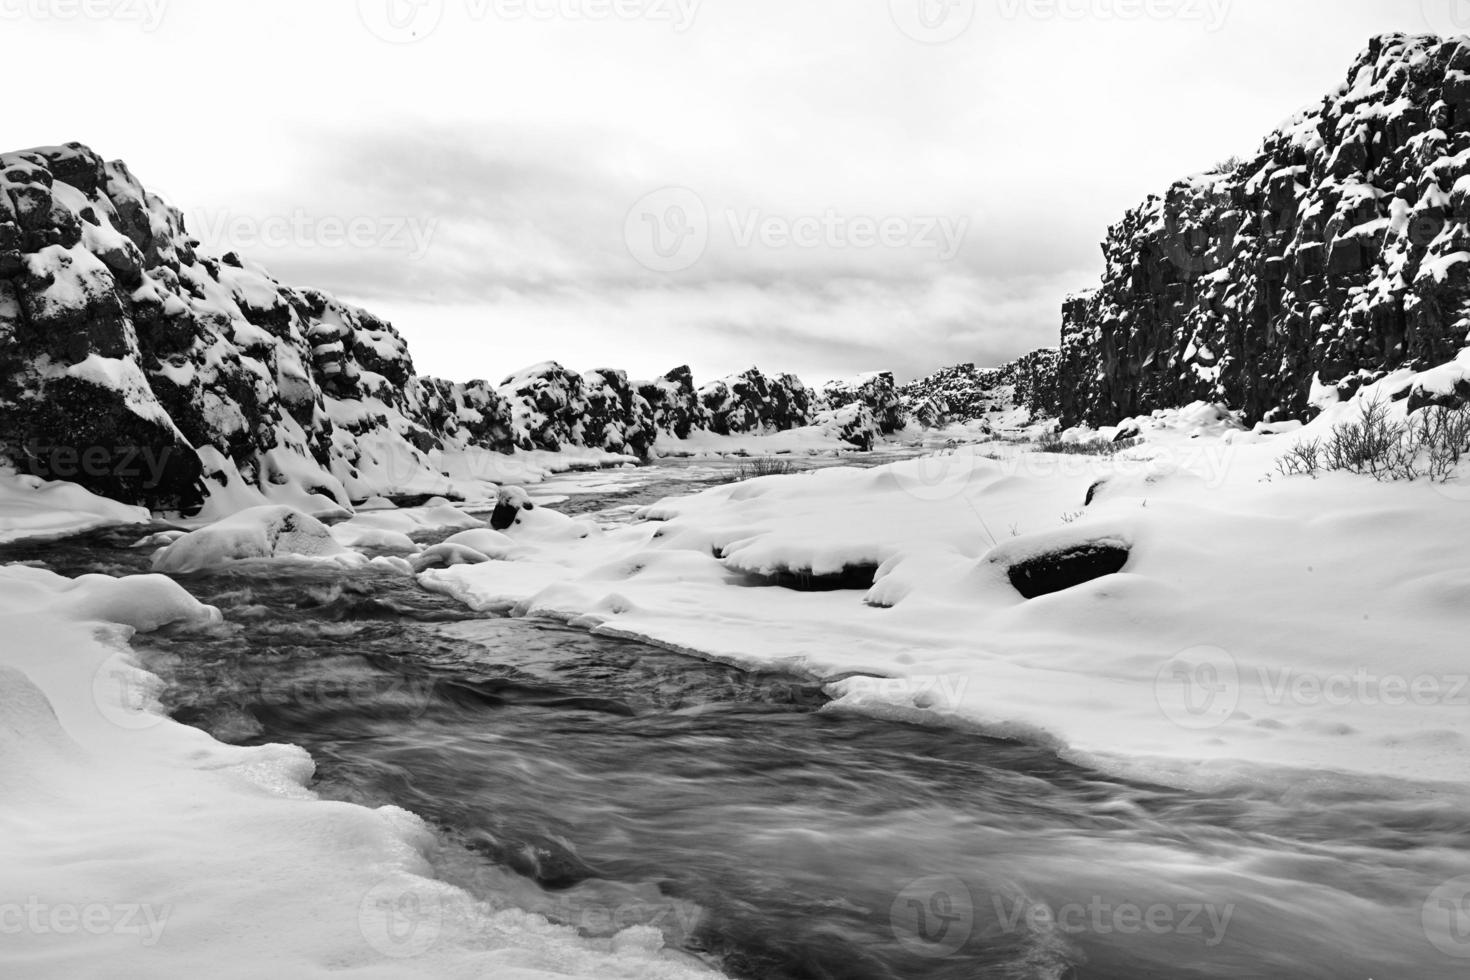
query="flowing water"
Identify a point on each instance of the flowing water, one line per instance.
(607, 783)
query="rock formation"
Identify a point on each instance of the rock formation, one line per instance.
(1339, 251)
(146, 371)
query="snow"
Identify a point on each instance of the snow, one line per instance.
(1262, 625)
(522, 467)
(34, 508)
(436, 514)
(805, 440)
(447, 555)
(126, 378)
(135, 846)
(260, 532)
(487, 542)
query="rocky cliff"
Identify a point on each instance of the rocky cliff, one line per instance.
(1337, 252)
(151, 373)
(964, 392)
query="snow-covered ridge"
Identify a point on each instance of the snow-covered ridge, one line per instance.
(964, 392)
(1336, 253)
(142, 369)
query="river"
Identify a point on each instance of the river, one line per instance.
(608, 783)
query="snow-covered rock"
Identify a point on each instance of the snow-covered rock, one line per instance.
(147, 372)
(261, 532)
(876, 392)
(1334, 254)
(965, 393)
(752, 402)
(675, 404)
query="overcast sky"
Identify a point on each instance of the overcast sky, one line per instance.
(823, 186)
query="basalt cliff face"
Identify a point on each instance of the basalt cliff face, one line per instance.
(1336, 253)
(964, 392)
(151, 373)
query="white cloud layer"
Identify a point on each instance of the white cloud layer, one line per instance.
(883, 183)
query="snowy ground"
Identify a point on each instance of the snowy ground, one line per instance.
(1264, 628)
(137, 847)
(33, 508)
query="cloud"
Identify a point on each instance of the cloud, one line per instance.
(481, 180)
(525, 229)
(819, 330)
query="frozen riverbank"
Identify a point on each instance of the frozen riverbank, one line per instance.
(1260, 623)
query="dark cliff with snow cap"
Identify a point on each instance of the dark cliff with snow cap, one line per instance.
(1337, 252)
(151, 373)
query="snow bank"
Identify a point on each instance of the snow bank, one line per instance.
(390, 530)
(1259, 622)
(260, 532)
(34, 508)
(823, 437)
(135, 846)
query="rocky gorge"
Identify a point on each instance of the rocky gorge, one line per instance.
(151, 373)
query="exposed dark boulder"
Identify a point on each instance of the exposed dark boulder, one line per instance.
(1067, 569)
(513, 500)
(852, 578)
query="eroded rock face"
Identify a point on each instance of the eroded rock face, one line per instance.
(674, 403)
(964, 392)
(1340, 251)
(854, 424)
(148, 372)
(752, 402)
(875, 391)
(547, 404)
(617, 417)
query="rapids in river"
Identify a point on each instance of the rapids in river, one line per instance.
(607, 783)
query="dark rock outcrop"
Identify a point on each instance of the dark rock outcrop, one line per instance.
(1338, 252)
(148, 372)
(1062, 570)
(617, 418)
(964, 392)
(752, 402)
(675, 403)
(875, 391)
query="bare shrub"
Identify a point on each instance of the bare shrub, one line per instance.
(1305, 459)
(1053, 443)
(764, 466)
(1430, 444)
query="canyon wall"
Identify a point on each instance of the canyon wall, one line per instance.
(137, 366)
(1337, 252)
